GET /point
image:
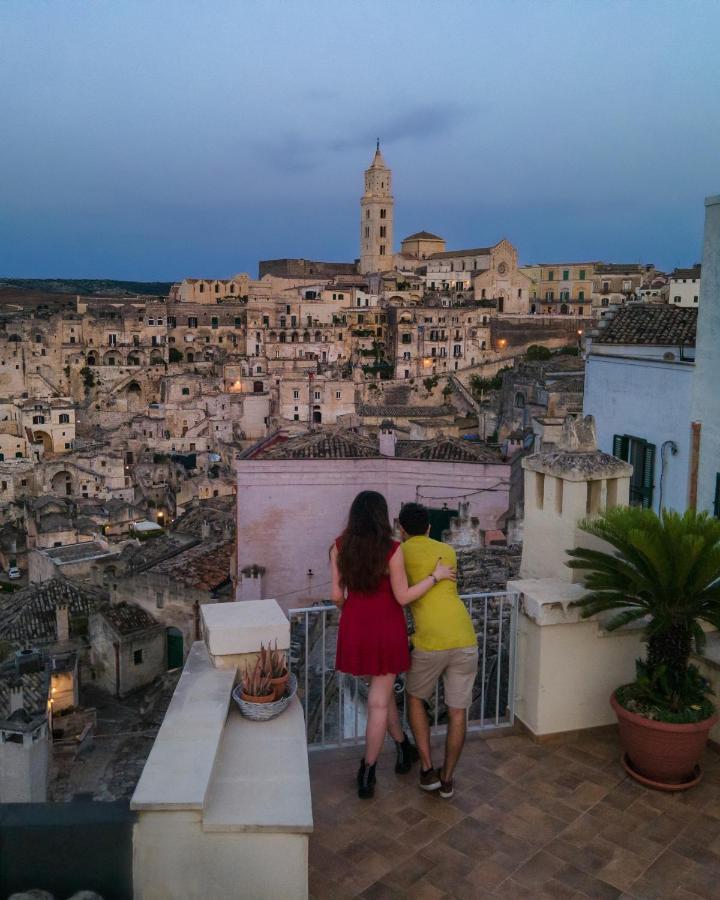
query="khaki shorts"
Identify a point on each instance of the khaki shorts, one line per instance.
(458, 668)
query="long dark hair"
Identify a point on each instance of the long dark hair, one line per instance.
(365, 543)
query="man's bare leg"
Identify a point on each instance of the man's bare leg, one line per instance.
(454, 741)
(420, 726)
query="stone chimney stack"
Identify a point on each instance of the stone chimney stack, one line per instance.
(17, 697)
(205, 530)
(387, 439)
(251, 583)
(563, 486)
(706, 397)
(62, 618)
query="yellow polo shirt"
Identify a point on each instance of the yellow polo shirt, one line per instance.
(441, 620)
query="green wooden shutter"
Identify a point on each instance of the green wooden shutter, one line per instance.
(621, 446)
(648, 475)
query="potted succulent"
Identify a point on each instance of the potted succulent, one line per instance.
(256, 685)
(664, 572)
(274, 665)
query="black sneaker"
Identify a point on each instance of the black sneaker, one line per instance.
(366, 780)
(429, 780)
(406, 755)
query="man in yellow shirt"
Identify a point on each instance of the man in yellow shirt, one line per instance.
(444, 644)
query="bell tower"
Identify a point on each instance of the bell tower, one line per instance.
(376, 218)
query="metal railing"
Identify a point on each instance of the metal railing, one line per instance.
(335, 703)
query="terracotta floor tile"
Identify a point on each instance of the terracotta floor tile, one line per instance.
(558, 821)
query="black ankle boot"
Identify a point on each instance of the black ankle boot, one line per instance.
(406, 755)
(366, 780)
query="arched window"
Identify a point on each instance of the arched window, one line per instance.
(64, 418)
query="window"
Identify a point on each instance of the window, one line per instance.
(338, 395)
(519, 401)
(238, 322)
(296, 395)
(551, 275)
(112, 340)
(641, 455)
(695, 298)
(186, 392)
(367, 231)
(202, 288)
(407, 338)
(581, 310)
(383, 213)
(316, 395)
(582, 274)
(38, 420)
(566, 274)
(137, 657)
(382, 249)
(383, 231)
(214, 322)
(581, 295)
(192, 321)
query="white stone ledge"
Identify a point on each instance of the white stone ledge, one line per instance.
(261, 781)
(178, 769)
(242, 625)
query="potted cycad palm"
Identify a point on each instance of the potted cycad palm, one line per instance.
(664, 572)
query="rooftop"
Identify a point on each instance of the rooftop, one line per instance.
(126, 618)
(528, 821)
(29, 616)
(423, 236)
(694, 272)
(651, 324)
(474, 251)
(204, 566)
(339, 443)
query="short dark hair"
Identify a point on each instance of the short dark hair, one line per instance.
(414, 518)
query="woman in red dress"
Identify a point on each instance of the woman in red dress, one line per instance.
(369, 584)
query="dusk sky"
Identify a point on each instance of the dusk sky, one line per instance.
(159, 139)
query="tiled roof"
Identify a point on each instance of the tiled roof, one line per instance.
(422, 236)
(329, 443)
(694, 272)
(448, 449)
(406, 412)
(29, 616)
(78, 552)
(127, 618)
(204, 567)
(651, 324)
(568, 385)
(35, 692)
(474, 251)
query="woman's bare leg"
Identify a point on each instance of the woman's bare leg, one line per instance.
(379, 699)
(394, 724)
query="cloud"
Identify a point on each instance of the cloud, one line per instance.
(296, 153)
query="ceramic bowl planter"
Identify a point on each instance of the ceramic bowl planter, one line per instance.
(662, 755)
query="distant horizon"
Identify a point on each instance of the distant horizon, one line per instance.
(176, 145)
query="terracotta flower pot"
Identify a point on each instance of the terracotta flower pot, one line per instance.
(662, 754)
(280, 685)
(249, 698)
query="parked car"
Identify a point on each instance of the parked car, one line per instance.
(14, 572)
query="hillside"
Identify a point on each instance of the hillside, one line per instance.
(19, 288)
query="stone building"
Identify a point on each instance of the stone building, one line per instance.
(282, 486)
(684, 287)
(564, 288)
(25, 732)
(616, 283)
(128, 648)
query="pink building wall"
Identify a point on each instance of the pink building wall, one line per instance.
(289, 511)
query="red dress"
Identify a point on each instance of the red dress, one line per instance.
(372, 638)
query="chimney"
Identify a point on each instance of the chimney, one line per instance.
(17, 697)
(387, 438)
(62, 618)
(205, 530)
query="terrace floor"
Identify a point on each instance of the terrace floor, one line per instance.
(556, 821)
